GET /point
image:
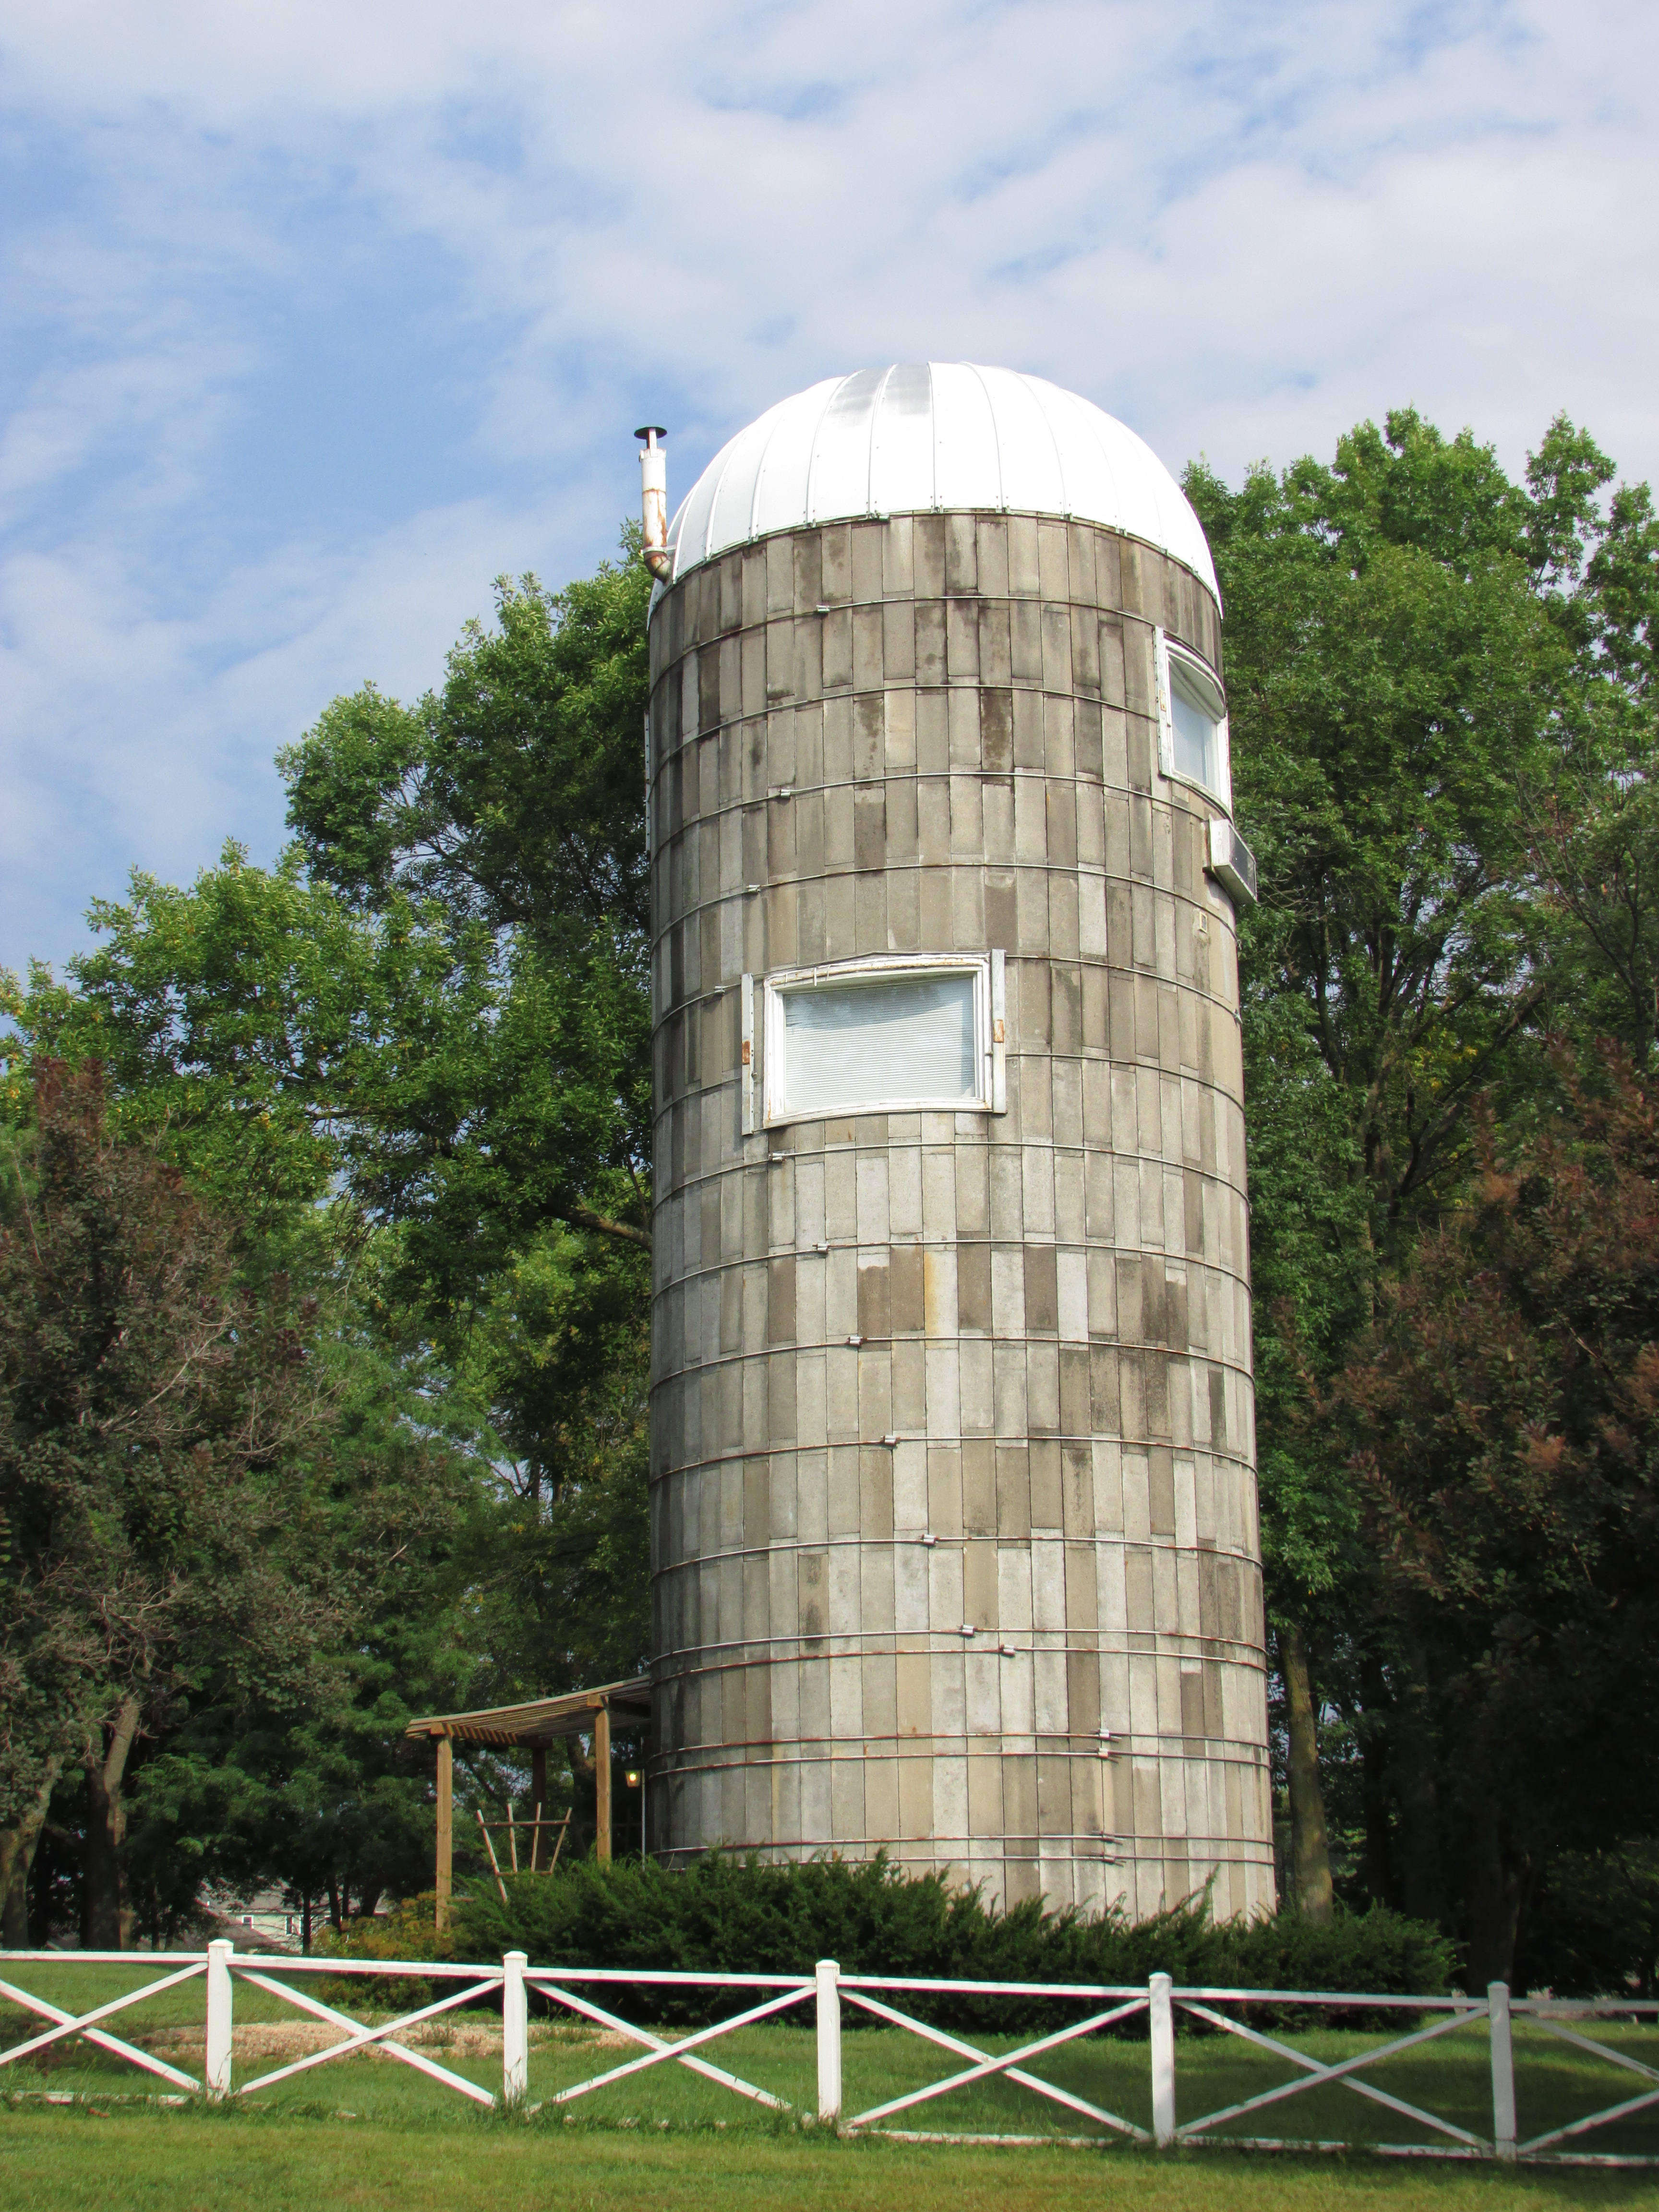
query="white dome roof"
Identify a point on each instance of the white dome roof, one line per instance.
(925, 435)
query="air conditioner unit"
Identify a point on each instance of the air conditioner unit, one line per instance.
(1231, 862)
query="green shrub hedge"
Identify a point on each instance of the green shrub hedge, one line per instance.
(740, 1916)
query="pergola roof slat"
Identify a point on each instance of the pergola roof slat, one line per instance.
(543, 1720)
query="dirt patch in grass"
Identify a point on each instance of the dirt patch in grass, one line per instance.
(280, 2040)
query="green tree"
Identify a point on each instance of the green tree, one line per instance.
(328, 1798)
(1416, 645)
(1393, 674)
(1594, 829)
(1504, 1416)
(148, 1412)
(510, 806)
(428, 1026)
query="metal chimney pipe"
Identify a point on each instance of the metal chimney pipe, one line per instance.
(653, 502)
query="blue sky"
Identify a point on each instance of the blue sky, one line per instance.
(320, 317)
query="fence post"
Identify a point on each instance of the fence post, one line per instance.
(1503, 2070)
(515, 2029)
(828, 1978)
(1161, 2015)
(215, 2070)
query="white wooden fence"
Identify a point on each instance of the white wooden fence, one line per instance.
(828, 1992)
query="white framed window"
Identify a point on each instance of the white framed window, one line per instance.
(906, 1033)
(1192, 722)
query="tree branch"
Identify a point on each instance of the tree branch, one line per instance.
(583, 1216)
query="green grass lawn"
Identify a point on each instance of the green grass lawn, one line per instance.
(366, 2132)
(57, 2161)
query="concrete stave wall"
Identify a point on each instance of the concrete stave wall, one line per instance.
(1054, 1301)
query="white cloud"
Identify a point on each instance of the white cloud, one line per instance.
(330, 313)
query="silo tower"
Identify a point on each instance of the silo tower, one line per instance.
(954, 1535)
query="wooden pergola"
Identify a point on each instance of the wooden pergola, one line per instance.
(532, 1728)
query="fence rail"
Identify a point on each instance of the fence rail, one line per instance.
(828, 1992)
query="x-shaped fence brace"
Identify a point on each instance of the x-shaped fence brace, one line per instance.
(658, 2048)
(1319, 2075)
(1010, 2063)
(85, 2024)
(359, 2037)
(1612, 2112)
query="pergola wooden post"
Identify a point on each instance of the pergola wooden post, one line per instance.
(532, 1728)
(602, 1783)
(446, 1829)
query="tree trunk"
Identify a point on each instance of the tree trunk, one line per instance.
(1496, 1878)
(15, 1901)
(1422, 1889)
(1422, 1881)
(304, 1923)
(17, 1847)
(1372, 1727)
(105, 1916)
(1310, 1857)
